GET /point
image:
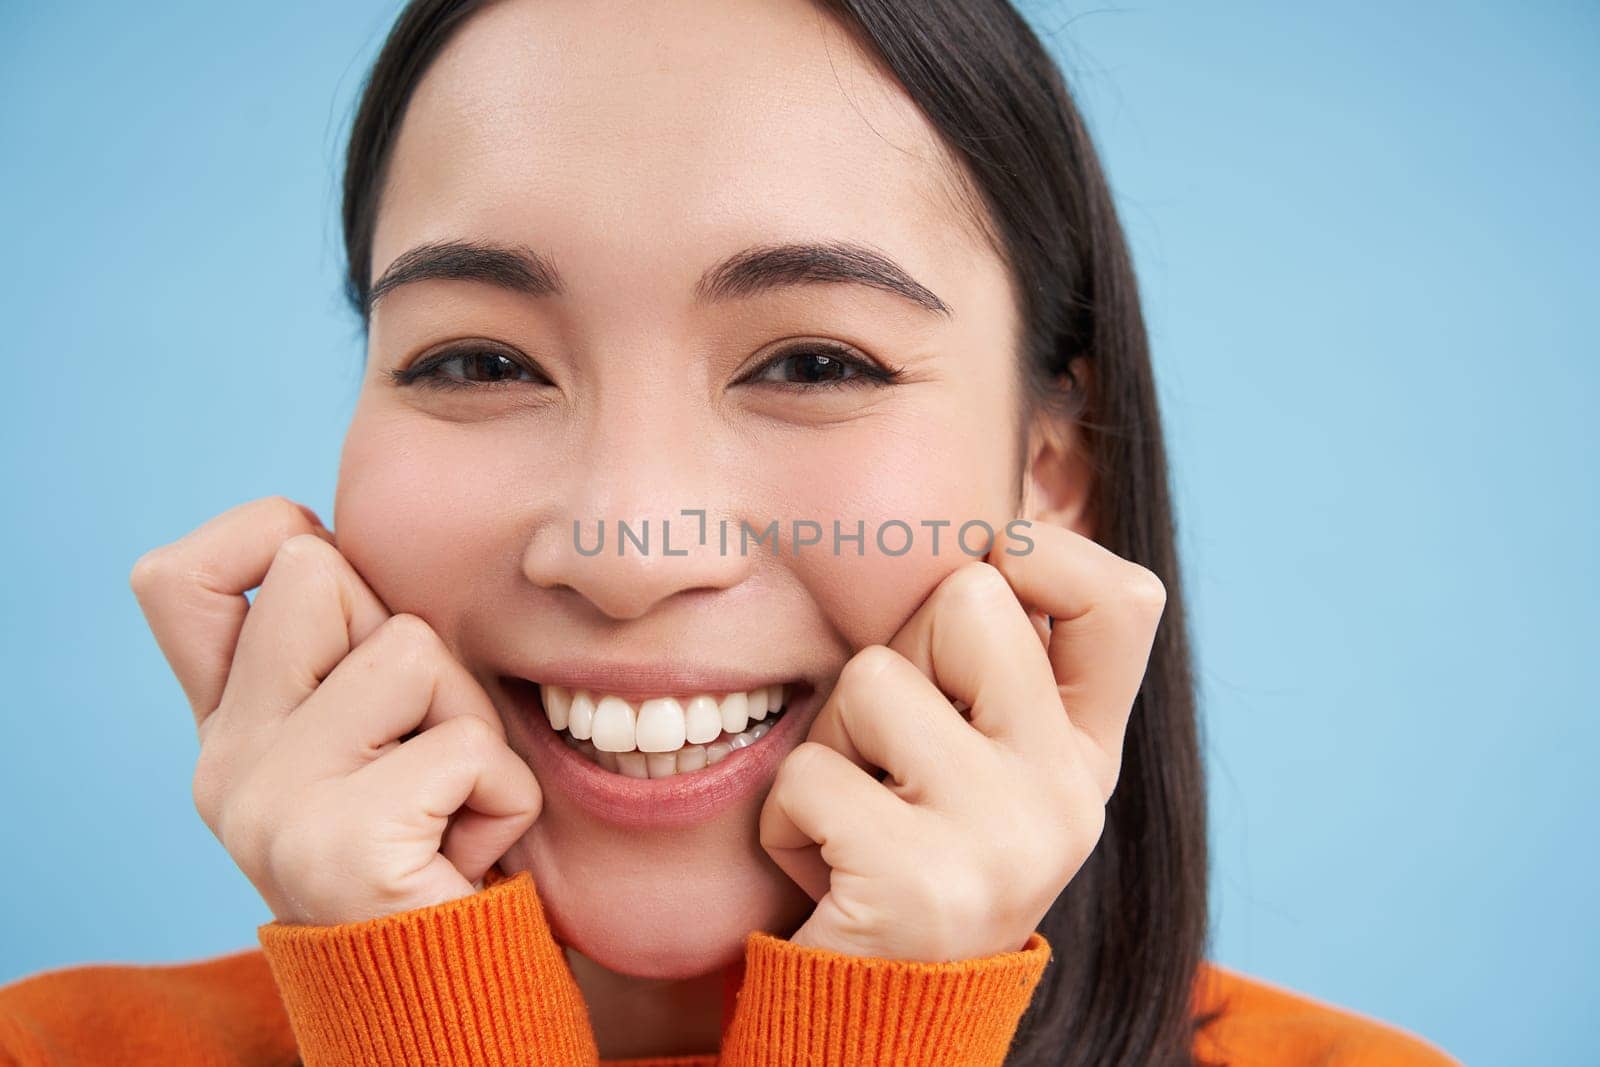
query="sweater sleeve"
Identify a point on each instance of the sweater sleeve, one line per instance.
(806, 1006)
(476, 980)
(218, 1011)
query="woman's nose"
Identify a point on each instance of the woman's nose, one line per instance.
(648, 513)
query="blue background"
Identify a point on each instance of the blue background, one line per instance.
(1367, 235)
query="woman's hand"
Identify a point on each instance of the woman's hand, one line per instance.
(985, 815)
(303, 701)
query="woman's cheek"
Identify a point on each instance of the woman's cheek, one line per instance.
(420, 512)
(911, 493)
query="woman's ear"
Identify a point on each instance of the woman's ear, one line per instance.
(1057, 477)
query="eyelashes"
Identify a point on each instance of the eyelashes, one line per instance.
(809, 366)
(831, 366)
(500, 364)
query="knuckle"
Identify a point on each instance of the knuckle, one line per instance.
(802, 757)
(975, 583)
(1055, 790)
(1107, 772)
(1145, 590)
(148, 571)
(474, 735)
(410, 637)
(284, 513)
(286, 858)
(207, 793)
(1109, 776)
(1075, 801)
(299, 559)
(287, 509)
(527, 784)
(867, 665)
(800, 766)
(1086, 821)
(303, 550)
(312, 853)
(211, 783)
(241, 829)
(1094, 827)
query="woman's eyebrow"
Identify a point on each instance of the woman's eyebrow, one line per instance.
(754, 270)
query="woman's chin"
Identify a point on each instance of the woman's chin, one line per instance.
(642, 950)
(676, 906)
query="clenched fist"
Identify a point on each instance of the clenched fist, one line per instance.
(350, 765)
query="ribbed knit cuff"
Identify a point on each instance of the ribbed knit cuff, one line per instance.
(476, 980)
(813, 1007)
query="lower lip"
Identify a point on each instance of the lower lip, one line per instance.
(656, 803)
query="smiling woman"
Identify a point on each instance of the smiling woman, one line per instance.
(509, 801)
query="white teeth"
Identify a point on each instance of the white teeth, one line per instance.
(661, 726)
(580, 715)
(735, 712)
(750, 736)
(614, 725)
(702, 720)
(661, 736)
(556, 702)
(635, 764)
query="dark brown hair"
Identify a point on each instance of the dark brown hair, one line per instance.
(1131, 929)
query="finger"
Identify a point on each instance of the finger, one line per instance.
(885, 713)
(824, 812)
(311, 611)
(400, 679)
(1106, 610)
(459, 768)
(474, 842)
(973, 639)
(1041, 627)
(192, 590)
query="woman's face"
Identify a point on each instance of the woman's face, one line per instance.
(634, 148)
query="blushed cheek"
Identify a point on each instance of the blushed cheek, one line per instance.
(870, 589)
(415, 513)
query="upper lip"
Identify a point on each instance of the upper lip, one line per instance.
(641, 681)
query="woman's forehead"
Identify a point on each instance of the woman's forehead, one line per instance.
(639, 129)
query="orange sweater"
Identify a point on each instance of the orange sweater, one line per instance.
(481, 980)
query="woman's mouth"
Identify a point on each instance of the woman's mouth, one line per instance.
(657, 761)
(661, 736)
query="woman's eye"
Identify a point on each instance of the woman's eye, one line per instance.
(804, 367)
(822, 365)
(466, 370)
